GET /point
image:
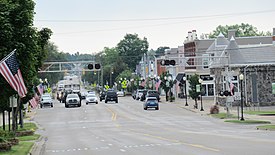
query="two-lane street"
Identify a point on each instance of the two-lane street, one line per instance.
(125, 128)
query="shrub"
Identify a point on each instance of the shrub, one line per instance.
(214, 109)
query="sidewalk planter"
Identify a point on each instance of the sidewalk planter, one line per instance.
(24, 133)
(171, 99)
(214, 109)
(5, 146)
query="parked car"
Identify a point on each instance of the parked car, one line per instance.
(83, 94)
(139, 93)
(153, 93)
(120, 93)
(134, 94)
(91, 98)
(143, 96)
(102, 96)
(151, 102)
(72, 99)
(111, 96)
(46, 99)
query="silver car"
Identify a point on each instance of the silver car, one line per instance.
(91, 98)
(72, 99)
(46, 99)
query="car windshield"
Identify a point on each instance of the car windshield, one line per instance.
(91, 95)
(46, 98)
(111, 93)
(72, 96)
(152, 92)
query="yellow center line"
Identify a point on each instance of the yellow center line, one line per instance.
(176, 141)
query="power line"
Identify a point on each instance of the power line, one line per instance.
(151, 19)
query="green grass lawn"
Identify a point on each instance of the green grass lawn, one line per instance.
(27, 126)
(25, 142)
(29, 138)
(248, 121)
(266, 127)
(260, 112)
(22, 148)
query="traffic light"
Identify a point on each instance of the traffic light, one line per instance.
(168, 62)
(97, 66)
(90, 66)
(93, 66)
(226, 93)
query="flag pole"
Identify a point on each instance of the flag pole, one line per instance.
(4, 59)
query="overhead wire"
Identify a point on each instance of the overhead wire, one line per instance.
(179, 21)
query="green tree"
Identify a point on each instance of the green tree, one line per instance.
(242, 30)
(165, 84)
(160, 51)
(131, 49)
(17, 32)
(194, 81)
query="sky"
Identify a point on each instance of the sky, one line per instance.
(87, 26)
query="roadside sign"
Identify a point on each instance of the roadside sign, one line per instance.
(124, 84)
(237, 96)
(198, 88)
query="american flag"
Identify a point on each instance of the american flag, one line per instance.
(157, 84)
(40, 89)
(143, 83)
(10, 70)
(231, 88)
(33, 102)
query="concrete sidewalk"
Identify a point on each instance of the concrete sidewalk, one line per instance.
(208, 103)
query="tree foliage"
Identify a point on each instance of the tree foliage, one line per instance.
(161, 50)
(131, 49)
(17, 32)
(242, 30)
(193, 81)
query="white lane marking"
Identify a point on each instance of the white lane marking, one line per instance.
(122, 150)
(110, 144)
(85, 148)
(84, 127)
(102, 140)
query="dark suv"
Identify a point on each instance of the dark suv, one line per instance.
(111, 96)
(153, 93)
(102, 96)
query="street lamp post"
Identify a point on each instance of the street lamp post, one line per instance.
(171, 94)
(200, 81)
(185, 80)
(241, 81)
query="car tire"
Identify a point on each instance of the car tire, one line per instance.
(100, 100)
(105, 101)
(157, 108)
(51, 105)
(41, 106)
(79, 105)
(145, 108)
(96, 103)
(116, 101)
(66, 106)
(86, 103)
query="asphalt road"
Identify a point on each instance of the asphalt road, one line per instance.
(125, 128)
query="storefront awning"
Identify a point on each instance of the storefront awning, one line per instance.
(179, 77)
